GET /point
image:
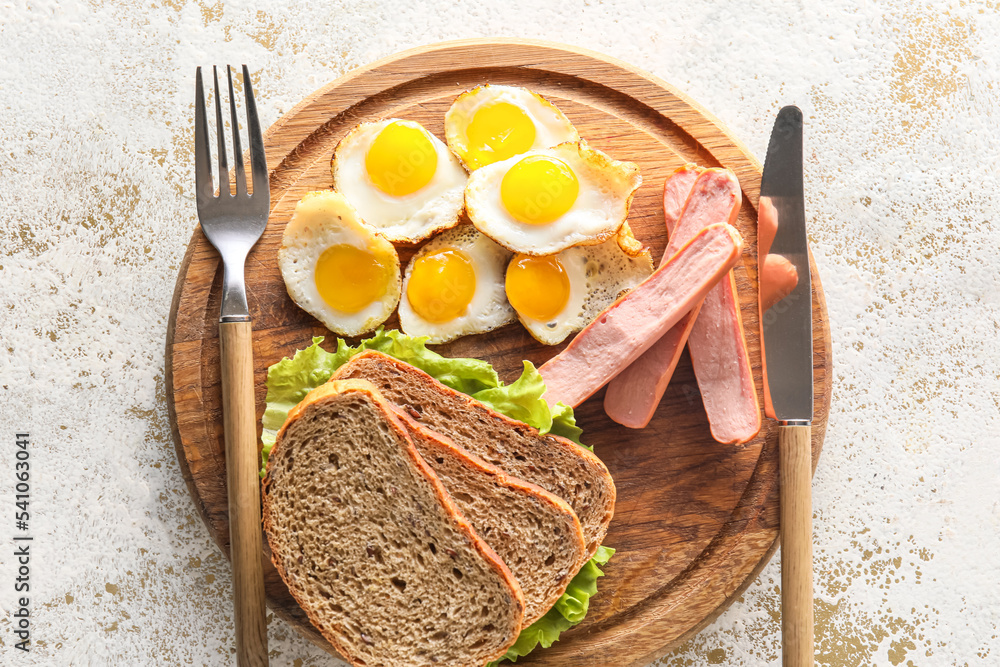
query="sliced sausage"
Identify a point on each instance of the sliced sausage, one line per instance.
(688, 207)
(628, 327)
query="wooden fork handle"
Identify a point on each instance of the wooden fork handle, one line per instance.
(242, 465)
(795, 452)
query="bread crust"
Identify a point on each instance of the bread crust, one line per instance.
(333, 389)
(540, 494)
(503, 421)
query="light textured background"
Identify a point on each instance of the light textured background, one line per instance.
(903, 139)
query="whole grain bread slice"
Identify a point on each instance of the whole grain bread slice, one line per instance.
(556, 464)
(536, 533)
(370, 544)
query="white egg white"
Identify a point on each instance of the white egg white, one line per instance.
(598, 275)
(321, 220)
(488, 308)
(551, 125)
(410, 218)
(600, 209)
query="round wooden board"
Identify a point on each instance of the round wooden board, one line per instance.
(695, 520)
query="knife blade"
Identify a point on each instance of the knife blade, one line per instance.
(786, 326)
(786, 350)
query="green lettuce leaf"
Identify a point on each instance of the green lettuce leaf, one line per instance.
(568, 611)
(564, 424)
(289, 380)
(521, 400)
(465, 375)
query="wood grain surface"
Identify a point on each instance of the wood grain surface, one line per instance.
(239, 417)
(695, 520)
(795, 484)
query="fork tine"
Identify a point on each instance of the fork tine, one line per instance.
(241, 176)
(221, 133)
(258, 161)
(204, 188)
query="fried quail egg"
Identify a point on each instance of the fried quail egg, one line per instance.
(402, 180)
(547, 200)
(557, 295)
(454, 286)
(492, 123)
(337, 269)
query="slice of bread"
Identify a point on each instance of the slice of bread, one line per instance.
(535, 533)
(372, 547)
(556, 464)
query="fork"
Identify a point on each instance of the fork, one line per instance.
(233, 222)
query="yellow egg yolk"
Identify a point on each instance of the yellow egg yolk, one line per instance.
(401, 160)
(537, 287)
(498, 131)
(539, 189)
(349, 278)
(441, 285)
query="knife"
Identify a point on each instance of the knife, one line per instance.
(787, 352)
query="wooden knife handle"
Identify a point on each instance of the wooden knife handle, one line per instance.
(242, 466)
(795, 452)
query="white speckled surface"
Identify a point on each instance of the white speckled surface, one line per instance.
(903, 137)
